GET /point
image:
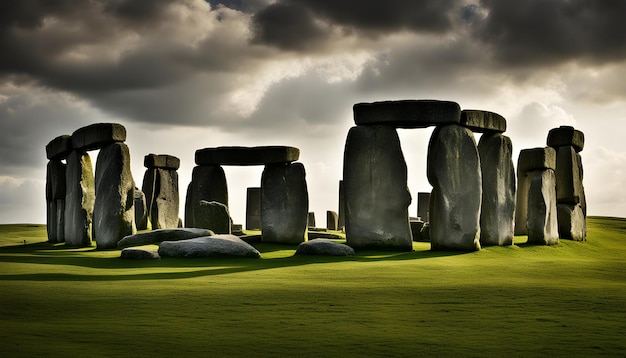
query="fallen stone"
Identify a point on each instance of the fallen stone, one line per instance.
(212, 246)
(572, 222)
(141, 210)
(284, 203)
(323, 235)
(98, 135)
(79, 199)
(569, 176)
(483, 121)
(253, 209)
(55, 180)
(162, 161)
(375, 189)
(542, 213)
(407, 113)
(324, 247)
(213, 215)
(566, 136)
(114, 211)
(139, 254)
(453, 169)
(158, 236)
(497, 215)
(209, 184)
(165, 203)
(59, 148)
(247, 155)
(332, 220)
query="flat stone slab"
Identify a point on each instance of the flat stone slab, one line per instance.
(483, 121)
(324, 247)
(158, 236)
(536, 159)
(163, 161)
(407, 113)
(209, 246)
(566, 136)
(247, 155)
(59, 148)
(98, 135)
(139, 254)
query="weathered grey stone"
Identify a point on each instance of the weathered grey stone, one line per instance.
(114, 211)
(212, 215)
(141, 210)
(79, 199)
(569, 177)
(60, 220)
(407, 113)
(423, 206)
(165, 204)
(425, 233)
(536, 159)
(55, 180)
(284, 203)
(189, 204)
(139, 254)
(148, 187)
(572, 222)
(160, 235)
(332, 220)
(98, 135)
(341, 223)
(483, 121)
(453, 169)
(416, 229)
(163, 161)
(497, 213)
(51, 221)
(246, 155)
(542, 214)
(566, 136)
(375, 188)
(209, 184)
(311, 219)
(59, 148)
(324, 247)
(253, 209)
(212, 246)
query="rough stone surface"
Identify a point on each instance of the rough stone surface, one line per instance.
(483, 121)
(497, 213)
(114, 211)
(55, 180)
(416, 229)
(247, 155)
(332, 220)
(141, 210)
(423, 206)
(212, 246)
(572, 222)
(569, 176)
(284, 203)
(407, 113)
(324, 247)
(375, 189)
(213, 215)
(542, 214)
(536, 159)
(98, 135)
(148, 187)
(453, 169)
(425, 233)
(79, 199)
(189, 204)
(566, 136)
(253, 209)
(51, 221)
(59, 148)
(163, 161)
(139, 254)
(209, 184)
(60, 220)
(165, 203)
(158, 236)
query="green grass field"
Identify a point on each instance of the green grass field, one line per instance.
(518, 301)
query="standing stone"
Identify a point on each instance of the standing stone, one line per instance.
(375, 188)
(498, 202)
(141, 210)
(148, 188)
(542, 215)
(214, 216)
(284, 203)
(571, 221)
(209, 184)
(311, 219)
(189, 203)
(114, 213)
(569, 178)
(423, 206)
(51, 221)
(331, 220)
(60, 220)
(55, 195)
(341, 223)
(165, 205)
(79, 199)
(253, 209)
(454, 173)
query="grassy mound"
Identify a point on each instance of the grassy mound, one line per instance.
(522, 300)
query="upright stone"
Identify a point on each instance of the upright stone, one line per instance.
(209, 184)
(51, 221)
(165, 205)
(542, 213)
(189, 203)
(569, 177)
(55, 196)
(60, 220)
(375, 188)
(253, 209)
(141, 210)
(423, 206)
(284, 203)
(332, 220)
(311, 219)
(341, 221)
(114, 213)
(213, 216)
(453, 169)
(572, 222)
(148, 187)
(498, 203)
(79, 199)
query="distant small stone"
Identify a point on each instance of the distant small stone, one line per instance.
(139, 254)
(324, 247)
(210, 246)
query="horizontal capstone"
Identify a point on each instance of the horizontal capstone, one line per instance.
(98, 136)
(163, 161)
(483, 121)
(59, 148)
(246, 155)
(407, 113)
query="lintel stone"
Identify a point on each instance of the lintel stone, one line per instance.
(483, 121)
(247, 155)
(59, 148)
(407, 113)
(98, 135)
(566, 136)
(536, 158)
(163, 161)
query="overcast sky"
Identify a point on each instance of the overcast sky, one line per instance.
(188, 74)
